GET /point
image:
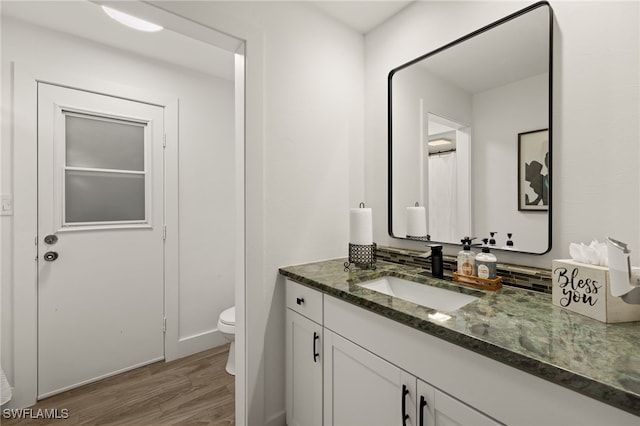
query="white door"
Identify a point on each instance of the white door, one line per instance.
(436, 408)
(100, 236)
(363, 389)
(304, 371)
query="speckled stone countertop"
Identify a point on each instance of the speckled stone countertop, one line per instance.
(517, 327)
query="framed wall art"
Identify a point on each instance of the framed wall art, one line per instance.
(533, 170)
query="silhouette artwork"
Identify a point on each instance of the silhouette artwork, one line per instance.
(533, 157)
(538, 182)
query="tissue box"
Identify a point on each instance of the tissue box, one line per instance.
(584, 289)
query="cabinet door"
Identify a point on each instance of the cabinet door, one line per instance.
(363, 389)
(303, 371)
(436, 408)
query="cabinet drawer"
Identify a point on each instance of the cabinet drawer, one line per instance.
(305, 301)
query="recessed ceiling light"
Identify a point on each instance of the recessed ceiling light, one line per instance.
(439, 142)
(131, 21)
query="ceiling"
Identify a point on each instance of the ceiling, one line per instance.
(362, 15)
(510, 52)
(85, 19)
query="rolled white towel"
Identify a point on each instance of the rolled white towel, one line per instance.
(5, 388)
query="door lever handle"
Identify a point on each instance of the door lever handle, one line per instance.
(50, 256)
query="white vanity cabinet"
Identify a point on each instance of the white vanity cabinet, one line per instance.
(303, 356)
(332, 381)
(436, 408)
(362, 388)
(346, 365)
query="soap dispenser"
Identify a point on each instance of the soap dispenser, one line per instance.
(437, 263)
(466, 258)
(486, 263)
(509, 243)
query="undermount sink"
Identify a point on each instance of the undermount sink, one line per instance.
(421, 294)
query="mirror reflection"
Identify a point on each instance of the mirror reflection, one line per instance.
(469, 142)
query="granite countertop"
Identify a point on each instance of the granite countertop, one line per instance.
(517, 327)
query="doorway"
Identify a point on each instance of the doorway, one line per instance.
(27, 76)
(446, 170)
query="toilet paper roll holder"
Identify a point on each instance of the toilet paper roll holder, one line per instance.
(363, 256)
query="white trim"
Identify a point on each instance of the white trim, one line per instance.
(25, 219)
(110, 118)
(199, 342)
(277, 419)
(117, 171)
(104, 376)
(61, 112)
(241, 397)
(94, 226)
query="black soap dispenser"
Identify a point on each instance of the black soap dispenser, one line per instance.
(437, 264)
(509, 244)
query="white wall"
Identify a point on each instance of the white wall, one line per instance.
(499, 115)
(313, 156)
(206, 168)
(596, 112)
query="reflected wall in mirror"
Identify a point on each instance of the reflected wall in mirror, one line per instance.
(454, 119)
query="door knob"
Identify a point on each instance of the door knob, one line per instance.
(50, 256)
(51, 239)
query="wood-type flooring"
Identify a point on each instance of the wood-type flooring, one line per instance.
(195, 390)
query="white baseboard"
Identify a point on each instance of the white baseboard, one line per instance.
(278, 419)
(197, 343)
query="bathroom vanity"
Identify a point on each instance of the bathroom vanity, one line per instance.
(359, 356)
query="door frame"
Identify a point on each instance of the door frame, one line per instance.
(26, 212)
(250, 310)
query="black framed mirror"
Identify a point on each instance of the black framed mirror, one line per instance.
(469, 144)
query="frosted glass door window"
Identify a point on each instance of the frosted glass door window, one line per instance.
(105, 171)
(104, 144)
(104, 197)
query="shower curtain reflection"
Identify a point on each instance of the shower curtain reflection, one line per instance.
(443, 196)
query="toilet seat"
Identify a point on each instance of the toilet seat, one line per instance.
(227, 321)
(228, 316)
(227, 327)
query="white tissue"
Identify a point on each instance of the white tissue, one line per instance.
(593, 254)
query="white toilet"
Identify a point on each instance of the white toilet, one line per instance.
(227, 326)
